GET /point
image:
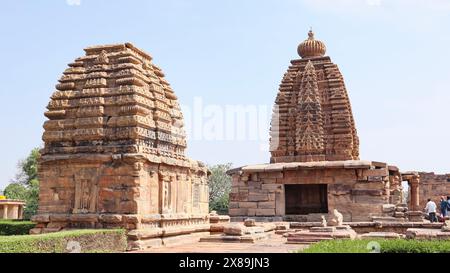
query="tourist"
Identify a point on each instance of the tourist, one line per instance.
(444, 207)
(430, 209)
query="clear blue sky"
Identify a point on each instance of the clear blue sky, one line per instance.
(394, 56)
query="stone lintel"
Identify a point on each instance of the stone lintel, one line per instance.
(11, 202)
(278, 167)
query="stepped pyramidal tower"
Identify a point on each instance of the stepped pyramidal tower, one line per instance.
(114, 152)
(315, 166)
(312, 119)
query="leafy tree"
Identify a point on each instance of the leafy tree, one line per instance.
(26, 184)
(28, 168)
(219, 188)
(16, 191)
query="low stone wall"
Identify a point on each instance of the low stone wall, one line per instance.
(433, 186)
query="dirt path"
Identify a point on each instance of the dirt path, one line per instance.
(275, 244)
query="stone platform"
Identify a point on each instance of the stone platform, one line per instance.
(247, 232)
(427, 234)
(381, 235)
(317, 234)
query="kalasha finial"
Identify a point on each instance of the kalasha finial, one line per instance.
(311, 34)
(311, 48)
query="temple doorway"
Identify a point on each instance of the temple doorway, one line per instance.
(305, 199)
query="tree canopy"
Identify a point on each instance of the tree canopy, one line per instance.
(219, 187)
(26, 184)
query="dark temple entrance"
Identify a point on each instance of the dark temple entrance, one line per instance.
(305, 199)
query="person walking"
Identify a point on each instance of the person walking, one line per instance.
(444, 207)
(431, 210)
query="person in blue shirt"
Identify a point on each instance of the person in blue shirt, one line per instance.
(444, 207)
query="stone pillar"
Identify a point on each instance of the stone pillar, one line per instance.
(414, 184)
(5, 211)
(20, 212)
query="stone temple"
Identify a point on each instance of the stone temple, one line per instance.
(315, 166)
(114, 152)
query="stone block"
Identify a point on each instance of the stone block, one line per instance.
(35, 231)
(41, 218)
(257, 197)
(266, 205)
(234, 229)
(389, 208)
(249, 222)
(84, 217)
(238, 212)
(132, 219)
(252, 205)
(254, 185)
(399, 214)
(111, 218)
(375, 178)
(265, 212)
(368, 192)
(57, 225)
(271, 187)
(239, 197)
(51, 230)
(375, 172)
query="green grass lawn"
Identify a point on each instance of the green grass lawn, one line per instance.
(381, 246)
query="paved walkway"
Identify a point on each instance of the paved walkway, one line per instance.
(275, 244)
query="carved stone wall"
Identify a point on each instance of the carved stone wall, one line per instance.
(312, 118)
(358, 189)
(115, 148)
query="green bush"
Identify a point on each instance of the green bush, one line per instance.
(14, 227)
(90, 241)
(219, 188)
(386, 246)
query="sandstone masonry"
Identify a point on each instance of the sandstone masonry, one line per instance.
(114, 151)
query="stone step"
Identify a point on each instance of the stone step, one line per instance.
(310, 234)
(309, 240)
(386, 219)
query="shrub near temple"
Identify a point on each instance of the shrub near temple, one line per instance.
(85, 241)
(15, 227)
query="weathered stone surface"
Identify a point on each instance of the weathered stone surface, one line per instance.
(250, 222)
(381, 235)
(234, 229)
(111, 218)
(114, 153)
(389, 208)
(312, 121)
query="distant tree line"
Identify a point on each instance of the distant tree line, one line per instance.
(25, 186)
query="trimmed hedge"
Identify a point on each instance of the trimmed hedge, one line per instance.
(15, 227)
(86, 241)
(385, 246)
